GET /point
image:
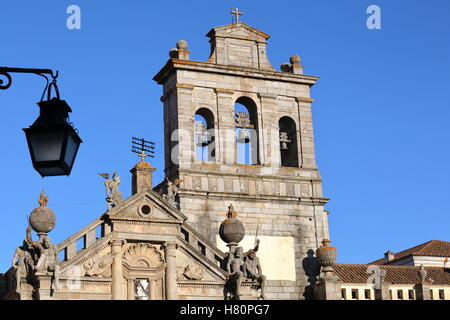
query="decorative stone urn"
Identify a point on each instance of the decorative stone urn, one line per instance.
(326, 255)
(42, 219)
(231, 230)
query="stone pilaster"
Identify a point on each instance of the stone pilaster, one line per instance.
(117, 274)
(269, 131)
(171, 270)
(225, 147)
(423, 291)
(306, 136)
(328, 288)
(382, 291)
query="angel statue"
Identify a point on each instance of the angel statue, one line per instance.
(113, 196)
(172, 191)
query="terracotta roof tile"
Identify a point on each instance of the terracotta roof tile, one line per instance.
(357, 273)
(433, 248)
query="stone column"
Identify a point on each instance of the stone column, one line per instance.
(117, 276)
(171, 270)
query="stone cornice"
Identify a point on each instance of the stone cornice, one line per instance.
(176, 64)
(303, 99)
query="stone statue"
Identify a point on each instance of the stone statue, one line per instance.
(113, 196)
(22, 263)
(252, 269)
(172, 191)
(45, 257)
(234, 267)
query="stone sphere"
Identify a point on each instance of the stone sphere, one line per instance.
(42, 220)
(285, 67)
(173, 53)
(182, 44)
(232, 230)
(295, 59)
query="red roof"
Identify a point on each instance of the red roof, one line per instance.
(433, 248)
(357, 273)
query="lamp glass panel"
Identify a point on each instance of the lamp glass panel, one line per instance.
(47, 146)
(55, 171)
(71, 150)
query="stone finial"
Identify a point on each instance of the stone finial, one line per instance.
(173, 53)
(182, 44)
(43, 199)
(326, 256)
(296, 67)
(42, 219)
(295, 60)
(183, 52)
(422, 273)
(231, 212)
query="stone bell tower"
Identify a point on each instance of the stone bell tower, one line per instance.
(239, 132)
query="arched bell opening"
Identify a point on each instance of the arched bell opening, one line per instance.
(247, 140)
(288, 142)
(204, 135)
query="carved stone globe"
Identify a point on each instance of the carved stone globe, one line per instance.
(232, 230)
(42, 219)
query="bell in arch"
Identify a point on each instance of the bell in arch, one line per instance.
(203, 139)
(202, 134)
(284, 139)
(243, 136)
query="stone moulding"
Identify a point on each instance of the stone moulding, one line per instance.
(248, 72)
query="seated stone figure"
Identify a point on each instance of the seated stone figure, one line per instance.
(22, 263)
(252, 269)
(46, 255)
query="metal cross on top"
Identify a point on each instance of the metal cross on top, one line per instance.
(236, 13)
(143, 148)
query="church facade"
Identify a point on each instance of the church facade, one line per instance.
(240, 213)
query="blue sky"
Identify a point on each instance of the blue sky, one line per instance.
(381, 110)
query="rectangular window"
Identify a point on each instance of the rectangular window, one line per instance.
(367, 294)
(400, 294)
(202, 248)
(355, 294)
(141, 289)
(390, 294)
(344, 294)
(431, 294)
(185, 234)
(441, 295)
(411, 294)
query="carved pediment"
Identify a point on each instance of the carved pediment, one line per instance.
(239, 30)
(147, 205)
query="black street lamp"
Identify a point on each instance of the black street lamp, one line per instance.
(52, 140)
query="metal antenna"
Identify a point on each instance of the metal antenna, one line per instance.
(143, 148)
